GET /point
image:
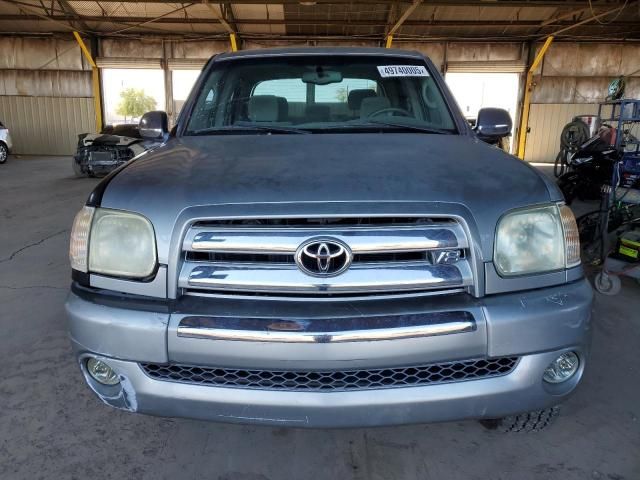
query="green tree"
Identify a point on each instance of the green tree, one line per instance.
(134, 103)
(342, 94)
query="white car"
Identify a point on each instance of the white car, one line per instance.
(5, 143)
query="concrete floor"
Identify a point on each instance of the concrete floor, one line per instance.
(52, 427)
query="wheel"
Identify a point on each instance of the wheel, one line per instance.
(4, 153)
(77, 169)
(607, 284)
(524, 422)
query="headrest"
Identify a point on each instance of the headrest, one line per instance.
(283, 109)
(263, 108)
(373, 104)
(356, 96)
(317, 113)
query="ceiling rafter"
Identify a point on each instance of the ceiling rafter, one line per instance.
(404, 3)
(219, 17)
(596, 17)
(227, 13)
(69, 9)
(165, 18)
(391, 16)
(403, 18)
(333, 18)
(572, 14)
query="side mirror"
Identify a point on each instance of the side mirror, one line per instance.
(154, 126)
(493, 124)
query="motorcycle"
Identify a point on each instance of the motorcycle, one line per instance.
(589, 169)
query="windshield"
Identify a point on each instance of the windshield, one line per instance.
(317, 94)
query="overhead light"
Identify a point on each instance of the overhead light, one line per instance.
(308, 4)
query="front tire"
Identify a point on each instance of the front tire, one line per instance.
(77, 169)
(523, 423)
(4, 153)
(607, 284)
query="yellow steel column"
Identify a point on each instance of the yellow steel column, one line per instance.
(234, 42)
(526, 104)
(389, 41)
(95, 81)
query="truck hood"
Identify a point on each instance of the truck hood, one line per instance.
(327, 174)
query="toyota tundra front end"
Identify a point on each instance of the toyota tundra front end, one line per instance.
(323, 241)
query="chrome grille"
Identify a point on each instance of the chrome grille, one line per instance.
(389, 254)
(342, 380)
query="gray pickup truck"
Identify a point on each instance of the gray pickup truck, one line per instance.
(323, 241)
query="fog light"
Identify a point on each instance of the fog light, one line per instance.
(101, 372)
(562, 368)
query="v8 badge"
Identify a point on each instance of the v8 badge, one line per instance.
(445, 257)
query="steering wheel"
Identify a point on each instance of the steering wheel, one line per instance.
(401, 111)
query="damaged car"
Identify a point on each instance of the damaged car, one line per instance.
(100, 153)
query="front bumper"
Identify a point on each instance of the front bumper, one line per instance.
(536, 326)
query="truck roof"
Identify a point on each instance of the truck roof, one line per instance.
(278, 52)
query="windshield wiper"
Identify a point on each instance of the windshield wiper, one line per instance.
(416, 128)
(272, 128)
(241, 126)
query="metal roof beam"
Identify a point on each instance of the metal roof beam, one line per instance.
(564, 16)
(482, 3)
(450, 3)
(596, 17)
(407, 13)
(228, 15)
(69, 9)
(353, 23)
(219, 18)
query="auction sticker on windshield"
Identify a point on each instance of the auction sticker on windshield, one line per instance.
(403, 71)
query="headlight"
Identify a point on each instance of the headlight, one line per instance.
(536, 240)
(121, 244)
(111, 242)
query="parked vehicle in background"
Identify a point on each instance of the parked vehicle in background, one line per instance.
(324, 241)
(5, 143)
(100, 153)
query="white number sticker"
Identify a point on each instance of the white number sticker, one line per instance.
(403, 71)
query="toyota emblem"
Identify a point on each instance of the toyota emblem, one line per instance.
(324, 257)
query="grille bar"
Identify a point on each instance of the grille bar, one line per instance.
(315, 222)
(342, 380)
(288, 278)
(327, 330)
(360, 240)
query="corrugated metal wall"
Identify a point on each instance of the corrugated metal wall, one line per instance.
(45, 94)
(46, 125)
(572, 80)
(545, 124)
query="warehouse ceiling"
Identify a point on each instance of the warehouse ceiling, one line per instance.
(415, 20)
